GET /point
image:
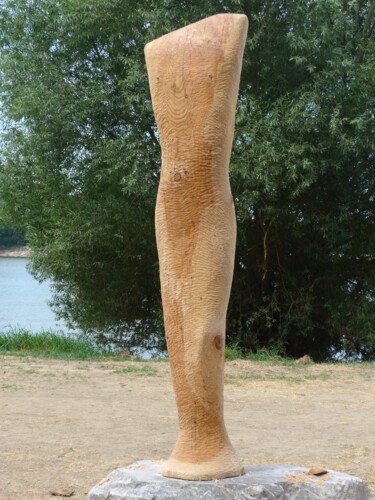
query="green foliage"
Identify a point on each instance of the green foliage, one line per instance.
(9, 238)
(303, 175)
(79, 172)
(81, 159)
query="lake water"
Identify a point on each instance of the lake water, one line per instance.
(23, 301)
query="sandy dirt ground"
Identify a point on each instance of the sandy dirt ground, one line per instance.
(67, 424)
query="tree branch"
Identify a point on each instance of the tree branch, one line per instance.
(266, 253)
(371, 30)
(357, 16)
(153, 136)
(368, 17)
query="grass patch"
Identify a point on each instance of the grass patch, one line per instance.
(58, 345)
(9, 387)
(275, 377)
(47, 344)
(139, 370)
(234, 352)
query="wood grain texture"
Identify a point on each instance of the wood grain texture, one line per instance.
(194, 76)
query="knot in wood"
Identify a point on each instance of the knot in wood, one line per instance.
(218, 341)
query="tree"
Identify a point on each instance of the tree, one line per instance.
(306, 187)
(9, 238)
(81, 160)
(79, 171)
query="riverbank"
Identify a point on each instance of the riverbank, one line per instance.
(24, 252)
(68, 423)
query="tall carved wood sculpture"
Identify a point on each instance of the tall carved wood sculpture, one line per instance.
(194, 76)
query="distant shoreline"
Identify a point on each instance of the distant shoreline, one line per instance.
(15, 252)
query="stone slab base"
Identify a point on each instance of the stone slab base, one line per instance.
(143, 481)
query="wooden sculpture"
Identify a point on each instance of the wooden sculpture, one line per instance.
(194, 76)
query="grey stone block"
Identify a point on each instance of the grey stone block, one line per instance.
(143, 481)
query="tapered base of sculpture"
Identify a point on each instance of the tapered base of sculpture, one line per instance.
(225, 464)
(203, 457)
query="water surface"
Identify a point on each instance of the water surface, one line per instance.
(23, 301)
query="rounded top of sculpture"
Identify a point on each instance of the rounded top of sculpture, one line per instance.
(207, 30)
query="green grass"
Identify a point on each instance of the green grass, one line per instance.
(57, 345)
(9, 387)
(48, 344)
(233, 353)
(273, 358)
